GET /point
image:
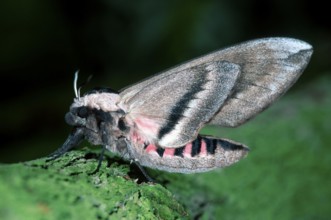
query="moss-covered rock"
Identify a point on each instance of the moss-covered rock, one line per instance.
(66, 189)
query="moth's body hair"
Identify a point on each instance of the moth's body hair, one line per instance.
(98, 90)
(104, 101)
(156, 122)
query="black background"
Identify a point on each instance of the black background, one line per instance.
(42, 44)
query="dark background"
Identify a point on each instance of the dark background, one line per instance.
(42, 44)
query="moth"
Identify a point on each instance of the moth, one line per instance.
(156, 122)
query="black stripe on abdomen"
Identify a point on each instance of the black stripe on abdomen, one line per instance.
(160, 151)
(196, 146)
(179, 151)
(211, 145)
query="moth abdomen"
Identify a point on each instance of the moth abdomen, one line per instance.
(202, 154)
(200, 147)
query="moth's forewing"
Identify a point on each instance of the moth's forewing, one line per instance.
(268, 68)
(179, 104)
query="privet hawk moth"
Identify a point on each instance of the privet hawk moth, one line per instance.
(156, 122)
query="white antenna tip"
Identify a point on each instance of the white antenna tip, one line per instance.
(75, 84)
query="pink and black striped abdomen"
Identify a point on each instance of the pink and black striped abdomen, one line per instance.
(202, 154)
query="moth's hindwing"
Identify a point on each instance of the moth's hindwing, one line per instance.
(201, 155)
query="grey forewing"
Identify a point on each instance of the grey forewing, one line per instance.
(183, 101)
(269, 67)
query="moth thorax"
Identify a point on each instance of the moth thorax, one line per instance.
(106, 102)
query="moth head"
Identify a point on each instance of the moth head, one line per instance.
(86, 108)
(96, 113)
(77, 116)
(100, 104)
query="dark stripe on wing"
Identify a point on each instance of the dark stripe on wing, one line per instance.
(179, 108)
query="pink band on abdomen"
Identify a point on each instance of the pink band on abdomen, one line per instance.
(169, 152)
(188, 150)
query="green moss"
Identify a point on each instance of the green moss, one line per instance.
(64, 189)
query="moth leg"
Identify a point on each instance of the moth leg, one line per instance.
(143, 171)
(100, 160)
(72, 141)
(105, 137)
(135, 161)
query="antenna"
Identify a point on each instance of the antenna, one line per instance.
(77, 91)
(75, 85)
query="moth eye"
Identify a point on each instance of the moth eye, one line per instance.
(121, 125)
(82, 112)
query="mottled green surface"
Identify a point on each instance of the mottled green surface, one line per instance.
(64, 189)
(287, 174)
